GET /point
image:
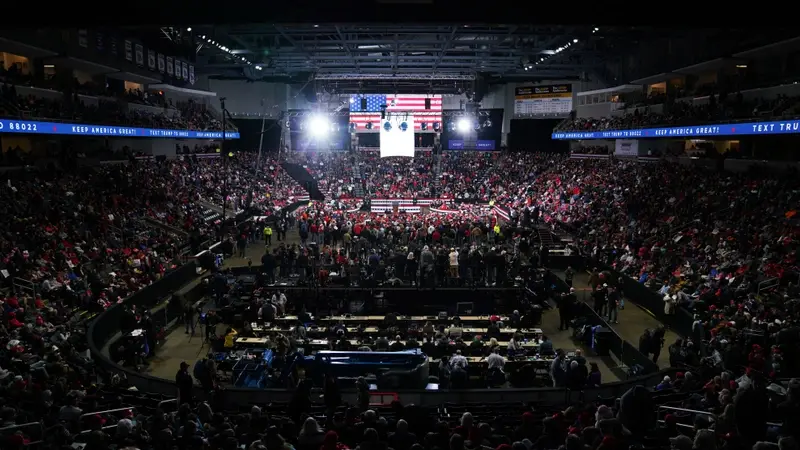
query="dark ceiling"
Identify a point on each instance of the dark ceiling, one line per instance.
(345, 58)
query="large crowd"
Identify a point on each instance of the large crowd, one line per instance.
(717, 109)
(722, 246)
(103, 107)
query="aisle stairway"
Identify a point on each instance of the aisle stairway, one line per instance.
(358, 181)
(212, 212)
(546, 237)
(437, 174)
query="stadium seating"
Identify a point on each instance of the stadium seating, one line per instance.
(47, 102)
(725, 248)
(684, 113)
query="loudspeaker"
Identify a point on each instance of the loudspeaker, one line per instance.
(363, 104)
(427, 103)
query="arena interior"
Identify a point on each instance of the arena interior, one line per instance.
(399, 236)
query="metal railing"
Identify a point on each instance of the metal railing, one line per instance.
(21, 284)
(163, 403)
(38, 426)
(693, 412)
(109, 411)
(768, 284)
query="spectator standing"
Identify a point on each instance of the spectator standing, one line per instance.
(185, 384)
(268, 235)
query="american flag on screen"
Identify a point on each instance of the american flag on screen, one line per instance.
(411, 103)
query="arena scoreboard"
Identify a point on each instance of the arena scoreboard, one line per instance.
(553, 99)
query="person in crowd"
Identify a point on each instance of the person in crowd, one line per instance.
(185, 384)
(566, 304)
(268, 235)
(558, 371)
(594, 378)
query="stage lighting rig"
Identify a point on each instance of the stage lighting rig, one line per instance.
(464, 125)
(319, 126)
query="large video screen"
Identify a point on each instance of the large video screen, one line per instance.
(367, 108)
(395, 141)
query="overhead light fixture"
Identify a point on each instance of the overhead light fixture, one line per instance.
(575, 41)
(464, 125)
(319, 126)
(189, 29)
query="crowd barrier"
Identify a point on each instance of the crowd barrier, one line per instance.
(639, 159)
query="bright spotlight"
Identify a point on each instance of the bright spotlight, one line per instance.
(464, 125)
(319, 126)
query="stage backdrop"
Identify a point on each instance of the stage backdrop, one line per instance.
(373, 108)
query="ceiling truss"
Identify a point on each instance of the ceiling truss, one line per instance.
(345, 52)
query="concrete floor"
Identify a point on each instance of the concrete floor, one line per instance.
(179, 346)
(633, 320)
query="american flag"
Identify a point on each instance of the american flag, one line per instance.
(410, 103)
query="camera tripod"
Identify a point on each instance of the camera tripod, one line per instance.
(204, 331)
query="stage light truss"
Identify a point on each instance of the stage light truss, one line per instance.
(393, 76)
